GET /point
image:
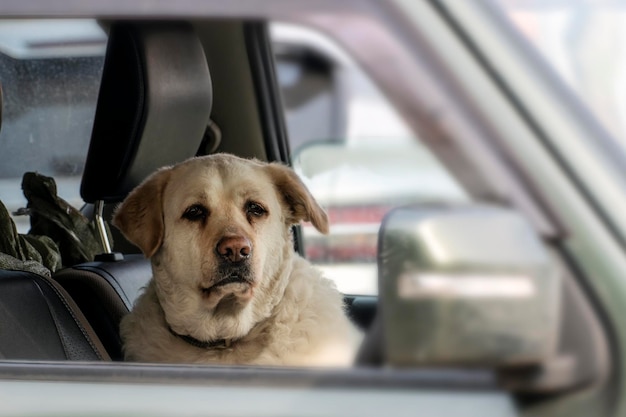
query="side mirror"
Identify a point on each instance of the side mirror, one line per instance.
(468, 286)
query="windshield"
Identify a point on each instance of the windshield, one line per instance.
(583, 40)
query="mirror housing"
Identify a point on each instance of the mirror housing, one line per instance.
(466, 285)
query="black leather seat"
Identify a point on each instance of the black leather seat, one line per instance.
(106, 291)
(153, 110)
(39, 321)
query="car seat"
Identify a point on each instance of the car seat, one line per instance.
(153, 110)
(41, 322)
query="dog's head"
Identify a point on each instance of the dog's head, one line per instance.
(217, 229)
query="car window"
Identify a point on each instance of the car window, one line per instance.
(50, 72)
(583, 41)
(354, 152)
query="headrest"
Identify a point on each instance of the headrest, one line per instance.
(153, 107)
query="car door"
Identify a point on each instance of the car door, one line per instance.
(423, 58)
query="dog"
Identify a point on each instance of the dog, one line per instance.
(227, 285)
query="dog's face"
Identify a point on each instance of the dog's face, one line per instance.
(218, 231)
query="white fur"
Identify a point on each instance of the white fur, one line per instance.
(290, 315)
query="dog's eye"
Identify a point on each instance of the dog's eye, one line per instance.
(196, 213)
(255, 209)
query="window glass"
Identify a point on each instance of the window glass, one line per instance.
(50, 73)
(354, 152)
(584, 43)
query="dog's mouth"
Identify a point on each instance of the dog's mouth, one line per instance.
(228, 294)
(232, 279)
(229, 287)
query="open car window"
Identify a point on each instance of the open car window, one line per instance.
(348, 144)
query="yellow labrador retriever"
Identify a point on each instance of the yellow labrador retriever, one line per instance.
(227, 286)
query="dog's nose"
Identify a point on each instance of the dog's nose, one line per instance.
(234, 248)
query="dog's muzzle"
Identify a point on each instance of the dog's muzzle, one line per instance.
(233, 278)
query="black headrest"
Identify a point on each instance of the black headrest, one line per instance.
(153, 107)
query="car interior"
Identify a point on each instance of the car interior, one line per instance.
(156, 95)
(171, 90)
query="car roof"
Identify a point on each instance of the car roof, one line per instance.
(180, 9)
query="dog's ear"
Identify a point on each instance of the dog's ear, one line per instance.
(302, 205)
(140, 216)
